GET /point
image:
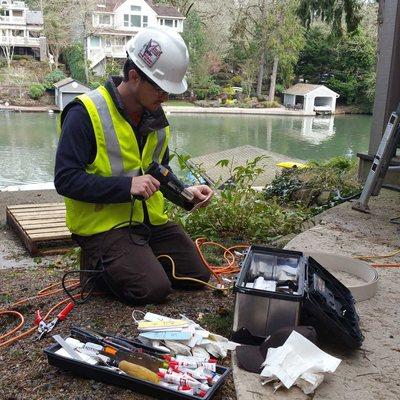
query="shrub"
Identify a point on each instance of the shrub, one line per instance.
(200, 93)
(52, 78)
(18, 57)
(36, 90)
(270, 104)
(238, 212)
(320, 186)
(214, 91)
(236, 80)
(74, 57)
(229, 91)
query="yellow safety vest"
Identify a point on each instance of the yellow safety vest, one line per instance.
(117, 155)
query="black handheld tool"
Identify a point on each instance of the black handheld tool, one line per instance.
(170, 186)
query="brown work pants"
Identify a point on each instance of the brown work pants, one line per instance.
(132, 272)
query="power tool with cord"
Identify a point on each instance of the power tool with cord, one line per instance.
(170, 186)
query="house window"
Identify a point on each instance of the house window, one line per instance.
(136, 20)
(176, 23)
(105, 19)
(94, 41)
(169, 22)
(126, 19)
(136, 8)
(145, 21)
(4, 13)
(33, 34)
(17, 13)
(17, 33)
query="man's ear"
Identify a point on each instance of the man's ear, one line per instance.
(133, 75)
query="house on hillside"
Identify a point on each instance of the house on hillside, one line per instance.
(22, 29)
(311, 98)
(116, 21)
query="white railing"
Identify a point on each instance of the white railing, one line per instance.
(12, 20)
(115, 51)
(19, 41)
(97, 55)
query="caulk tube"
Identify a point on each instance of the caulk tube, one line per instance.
(169, 385)
(173, 377)
(198, 373)
(182, 379)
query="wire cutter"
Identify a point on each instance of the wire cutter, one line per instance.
(44, 328)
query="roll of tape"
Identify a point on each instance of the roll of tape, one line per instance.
(358, 268)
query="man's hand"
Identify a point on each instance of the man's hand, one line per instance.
(202, 195)
(144, 186)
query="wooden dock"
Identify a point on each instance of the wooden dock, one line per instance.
(41, 227)
(239, 156)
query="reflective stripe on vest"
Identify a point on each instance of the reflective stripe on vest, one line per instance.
(117, 155)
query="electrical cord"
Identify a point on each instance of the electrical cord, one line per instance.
(220, 286)
(231, 266)
(380, 265)
(5, 339)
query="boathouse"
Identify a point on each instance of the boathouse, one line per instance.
(311, 98)
(66, 90)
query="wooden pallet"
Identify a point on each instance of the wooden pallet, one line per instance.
(41, 227)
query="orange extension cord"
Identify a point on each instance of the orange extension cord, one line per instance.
(231, 265)
(5, 339)
(381, 265)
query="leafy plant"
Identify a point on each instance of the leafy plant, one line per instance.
(53, 77)
(36, 90)
(74, 56)
(238, 212)
(320, 186)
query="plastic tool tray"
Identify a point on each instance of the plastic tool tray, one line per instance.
(303, 292)
(102, 374)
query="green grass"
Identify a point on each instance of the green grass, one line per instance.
(178, 103)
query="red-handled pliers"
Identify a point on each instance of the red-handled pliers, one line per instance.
(44, 328)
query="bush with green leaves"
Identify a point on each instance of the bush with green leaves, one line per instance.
(53, 77)
(36, 90)
(318, 186)
(238, 212)
(75, 59)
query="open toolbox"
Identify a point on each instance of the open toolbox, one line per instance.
(283, 288)
(117, 378)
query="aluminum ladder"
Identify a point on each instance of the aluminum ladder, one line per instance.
(381, 162)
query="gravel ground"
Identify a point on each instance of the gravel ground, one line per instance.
(25, 373)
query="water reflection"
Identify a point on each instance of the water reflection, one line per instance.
(28, 141)
(314, 130)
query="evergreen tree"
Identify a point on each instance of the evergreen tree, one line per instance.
(332, 12)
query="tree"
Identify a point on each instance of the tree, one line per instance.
(273, 28)
(194, 37)
(354, 69)
(57, 26)
(317, 58)
(8, 49)
(332, 12)
(345, 64)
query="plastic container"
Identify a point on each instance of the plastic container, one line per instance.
(305, 293)
(100, 373)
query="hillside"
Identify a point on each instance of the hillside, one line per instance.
(15, 82)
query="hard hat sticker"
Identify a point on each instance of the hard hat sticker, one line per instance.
(150, 53)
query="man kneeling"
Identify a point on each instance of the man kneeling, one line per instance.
(109, 137)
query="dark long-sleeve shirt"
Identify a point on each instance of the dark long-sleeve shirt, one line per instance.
(77, 149)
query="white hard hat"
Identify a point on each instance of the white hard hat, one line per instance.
(162, 55)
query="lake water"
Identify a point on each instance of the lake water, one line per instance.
(28, 141)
